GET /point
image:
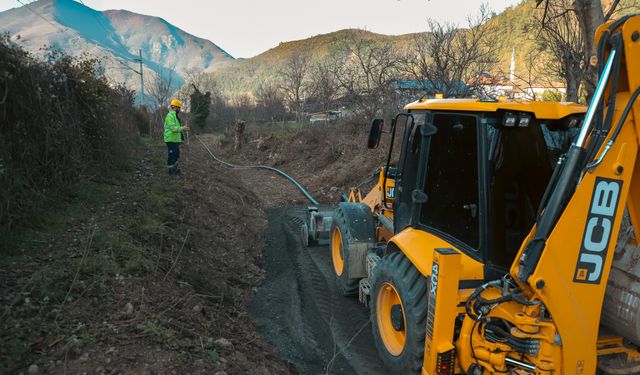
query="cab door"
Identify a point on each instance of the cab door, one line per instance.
(453, 209)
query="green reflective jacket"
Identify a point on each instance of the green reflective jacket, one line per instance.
(172, 128)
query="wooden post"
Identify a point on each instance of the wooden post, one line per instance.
(238, 139)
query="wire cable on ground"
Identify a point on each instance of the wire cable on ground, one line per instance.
(234, 166)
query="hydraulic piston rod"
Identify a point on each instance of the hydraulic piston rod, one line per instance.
(517, 363)
(597, 96)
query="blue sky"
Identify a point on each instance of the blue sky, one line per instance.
(245, 28)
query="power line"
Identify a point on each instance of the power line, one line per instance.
(94, 16)
(41, 16)
(118, 58)
(139, 60)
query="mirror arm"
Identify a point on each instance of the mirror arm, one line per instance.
(386, 167)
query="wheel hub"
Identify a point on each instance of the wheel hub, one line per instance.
(397, 319)
(391, 319)
(336, 251)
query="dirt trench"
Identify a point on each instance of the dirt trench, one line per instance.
(298, 306)
(312, 325)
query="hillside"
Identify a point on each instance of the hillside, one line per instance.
(515, 31)
(512, 34)
(114, 37)
(245, 75)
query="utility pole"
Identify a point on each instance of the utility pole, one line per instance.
(141, 78)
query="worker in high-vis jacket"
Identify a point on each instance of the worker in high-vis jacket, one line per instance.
(173, 131)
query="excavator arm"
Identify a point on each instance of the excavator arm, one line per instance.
(566, 261)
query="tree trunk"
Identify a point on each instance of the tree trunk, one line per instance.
(238, 138)
(590, 16)
(572, 87)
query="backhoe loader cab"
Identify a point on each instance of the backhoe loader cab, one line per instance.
(474, 173)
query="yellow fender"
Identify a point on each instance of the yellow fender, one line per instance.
(419, 246)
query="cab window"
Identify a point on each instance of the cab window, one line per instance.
(451, 181)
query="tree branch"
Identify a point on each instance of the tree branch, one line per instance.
(611, 10)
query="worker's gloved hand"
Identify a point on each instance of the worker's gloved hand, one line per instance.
(185, 128)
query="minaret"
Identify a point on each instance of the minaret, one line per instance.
(512, 68)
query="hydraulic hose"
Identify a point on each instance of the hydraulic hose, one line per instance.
(234, 166)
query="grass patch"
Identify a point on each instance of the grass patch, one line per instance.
(89, 239)
(53, 213)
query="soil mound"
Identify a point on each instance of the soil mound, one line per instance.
(327, 159)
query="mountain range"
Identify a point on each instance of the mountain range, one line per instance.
(115, 37)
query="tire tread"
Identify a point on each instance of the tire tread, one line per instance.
(412, 286)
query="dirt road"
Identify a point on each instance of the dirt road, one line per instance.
(298, 307)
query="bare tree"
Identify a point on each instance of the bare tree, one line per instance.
(203, 81)
(160, 87)
(222, 115)
(269, 100)
(560, 34)
(590, 15)
(324, 85)
(447, 57)
(294, 82)
(242, 105)
(364, 74)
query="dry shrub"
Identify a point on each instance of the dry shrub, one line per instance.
(60, 120)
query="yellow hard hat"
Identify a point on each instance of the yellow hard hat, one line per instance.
(176, 103)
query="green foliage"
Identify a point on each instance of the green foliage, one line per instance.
(200, 104)
(515, 32)
(552, 96)
(61, 121)
(211, 356)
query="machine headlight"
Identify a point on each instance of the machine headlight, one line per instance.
(524, 121)
(510, 119)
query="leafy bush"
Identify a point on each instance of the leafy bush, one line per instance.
(552, 96)
(200, 104)
(60, 121)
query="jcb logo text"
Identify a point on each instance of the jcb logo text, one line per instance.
(597, 231)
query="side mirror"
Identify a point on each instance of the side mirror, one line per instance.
(375, 132)
(427, 130)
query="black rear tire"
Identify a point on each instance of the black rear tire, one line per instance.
(396, 271)
(354, 224)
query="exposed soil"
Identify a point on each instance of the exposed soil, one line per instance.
(328, 160)
(298, 306)
(304, 315)
(158, 275)
(182, 309)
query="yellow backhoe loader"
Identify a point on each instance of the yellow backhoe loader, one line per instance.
(487, 245)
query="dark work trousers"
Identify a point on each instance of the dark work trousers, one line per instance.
(173, 149)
